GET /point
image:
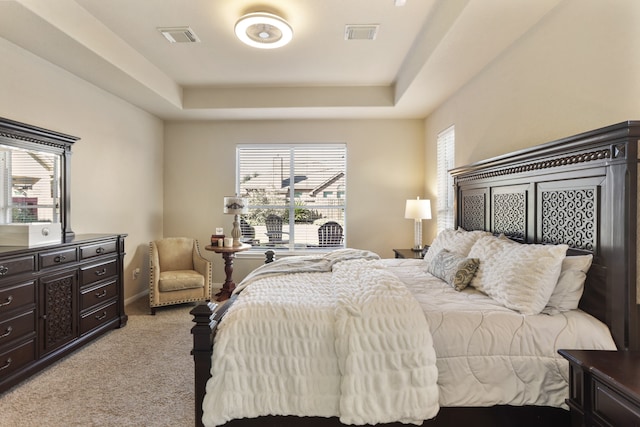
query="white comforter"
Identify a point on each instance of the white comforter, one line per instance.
(491, 355)
(324, 344)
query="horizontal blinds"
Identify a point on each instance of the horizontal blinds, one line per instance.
(445, 148)
(308, 173)
(305, 184)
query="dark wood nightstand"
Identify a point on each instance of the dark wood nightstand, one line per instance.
(410, 253)
(604, 387)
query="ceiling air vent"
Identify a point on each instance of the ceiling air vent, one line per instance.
(361, 32)
(179, 34)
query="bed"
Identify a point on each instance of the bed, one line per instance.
(577, 193)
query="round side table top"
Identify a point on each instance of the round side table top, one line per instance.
(223, 249)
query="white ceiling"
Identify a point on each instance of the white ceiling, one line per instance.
(424, 52)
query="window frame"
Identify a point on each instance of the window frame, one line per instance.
(289, 223)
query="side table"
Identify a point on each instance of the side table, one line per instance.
(410, 253)
(604, 387)
(228, 254)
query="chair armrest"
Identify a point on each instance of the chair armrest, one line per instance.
(203, 266)
(154, 268)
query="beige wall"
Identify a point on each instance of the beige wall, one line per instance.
(384, 167)
(116, 166)
(578, 70)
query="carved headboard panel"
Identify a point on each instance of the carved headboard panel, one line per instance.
(582, 191)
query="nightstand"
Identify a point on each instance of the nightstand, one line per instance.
(604, 387)
(410, 253)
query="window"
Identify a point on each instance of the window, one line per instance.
(446, 148)
(268, 176)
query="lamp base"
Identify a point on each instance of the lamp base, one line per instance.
(236, 233)
(417, 249)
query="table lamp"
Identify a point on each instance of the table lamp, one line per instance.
(417, 210)
(234, 205)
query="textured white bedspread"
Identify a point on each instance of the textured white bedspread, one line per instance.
(488, 354)
(323, 344)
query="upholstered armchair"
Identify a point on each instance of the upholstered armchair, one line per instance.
(178, 273)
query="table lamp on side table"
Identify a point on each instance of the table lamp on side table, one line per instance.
(417, 210)
(234, 205)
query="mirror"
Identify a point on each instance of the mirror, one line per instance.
(34, 176)
(31, 192)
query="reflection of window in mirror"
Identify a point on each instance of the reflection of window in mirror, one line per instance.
(30, 190)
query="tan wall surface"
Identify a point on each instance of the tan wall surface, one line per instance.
(116, 167)
(576, 71)
(384, 167)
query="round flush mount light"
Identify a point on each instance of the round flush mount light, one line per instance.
(263, 30)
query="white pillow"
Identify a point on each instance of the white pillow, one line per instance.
(568, 291)
(519, 276)
(457, 241)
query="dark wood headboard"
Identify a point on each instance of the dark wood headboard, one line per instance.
(582, 191)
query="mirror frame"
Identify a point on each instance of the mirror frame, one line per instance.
(30, 137)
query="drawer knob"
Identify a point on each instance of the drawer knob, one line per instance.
(7, 302)
(101, 316)
(59, 258)
(99, 250)
(3, 270)
(101, 294)
(101, 272)
(6, 334)
(6, 364)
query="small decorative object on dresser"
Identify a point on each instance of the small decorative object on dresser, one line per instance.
(604, 387)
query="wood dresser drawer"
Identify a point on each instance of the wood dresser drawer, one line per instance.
(16, 357)
(97, 317)
(15, 296)
(604, 387)
(95, 295)
(97, 249)
(60, 257)
(55, 298)
(17, 326)
(20, 264)
(95, 272)
(613, 408)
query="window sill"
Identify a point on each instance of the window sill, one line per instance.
(259, 253)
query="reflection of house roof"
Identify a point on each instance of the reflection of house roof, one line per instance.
(313, 182)
(325, 184)
(296, 179)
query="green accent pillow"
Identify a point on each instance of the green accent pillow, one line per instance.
(454, 269)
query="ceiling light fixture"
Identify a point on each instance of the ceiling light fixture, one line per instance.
(263, 30)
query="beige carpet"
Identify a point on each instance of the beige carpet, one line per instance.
(140, 375)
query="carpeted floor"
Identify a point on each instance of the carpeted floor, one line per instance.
(140, 375)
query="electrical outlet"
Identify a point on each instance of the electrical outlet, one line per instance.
(136, 273)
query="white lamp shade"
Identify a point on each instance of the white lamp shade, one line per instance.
(236, 205)
(418, 209)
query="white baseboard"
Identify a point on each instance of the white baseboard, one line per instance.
(136, 297)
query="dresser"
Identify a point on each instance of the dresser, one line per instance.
(604, 387)
(56, 298)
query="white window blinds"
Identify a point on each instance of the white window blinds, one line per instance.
(293, 190)
(446, 150)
